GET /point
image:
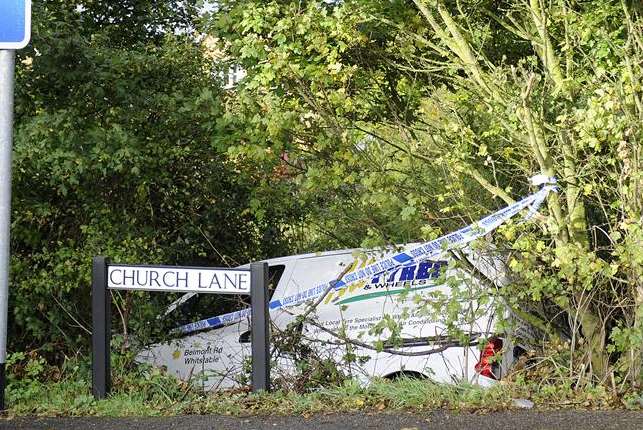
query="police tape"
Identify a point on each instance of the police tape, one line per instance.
(427, 250)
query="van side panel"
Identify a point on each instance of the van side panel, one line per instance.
(363, 311)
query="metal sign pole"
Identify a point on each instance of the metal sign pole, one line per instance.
(101, 330)
(7, 67)
(260, 327)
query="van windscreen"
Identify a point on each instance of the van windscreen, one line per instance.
(201, 306)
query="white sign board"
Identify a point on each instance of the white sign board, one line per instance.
(178, 279)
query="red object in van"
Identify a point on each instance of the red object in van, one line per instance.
(485, 366)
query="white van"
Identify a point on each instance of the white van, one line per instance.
(388, 320)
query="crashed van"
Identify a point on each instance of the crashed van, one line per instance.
(426, 318)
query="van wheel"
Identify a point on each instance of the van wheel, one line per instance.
(405, 374)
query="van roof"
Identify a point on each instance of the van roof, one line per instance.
(287, 258)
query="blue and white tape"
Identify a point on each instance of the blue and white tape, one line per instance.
(427, 250)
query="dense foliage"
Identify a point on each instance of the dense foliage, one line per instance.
(359, 123)
(397, 120)
(116, 113)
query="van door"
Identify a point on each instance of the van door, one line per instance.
(313, 271)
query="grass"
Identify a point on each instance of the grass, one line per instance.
(36, 389)
(161, 396)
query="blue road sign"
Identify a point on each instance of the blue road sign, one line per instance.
(15, 23)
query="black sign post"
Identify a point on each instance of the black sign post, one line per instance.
(101, 330)
(260, 327)
(176, 279)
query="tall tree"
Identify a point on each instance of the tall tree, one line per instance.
(397, 120)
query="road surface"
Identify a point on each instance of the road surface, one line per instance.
(558, 420)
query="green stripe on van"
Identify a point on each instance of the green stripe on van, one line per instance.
(376, 294)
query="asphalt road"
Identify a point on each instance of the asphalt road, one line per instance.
(558, 420)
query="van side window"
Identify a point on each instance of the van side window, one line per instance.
(274, 275)
(202, 306)
(313, 271)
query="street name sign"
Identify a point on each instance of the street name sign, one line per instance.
(15, 23)
(178, 279)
